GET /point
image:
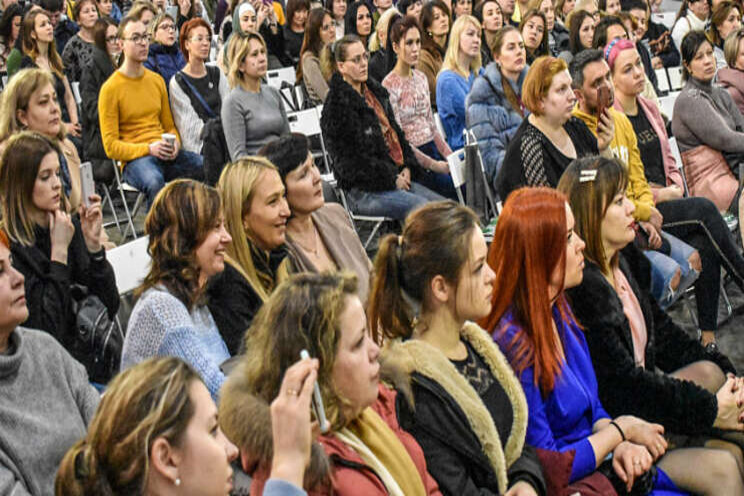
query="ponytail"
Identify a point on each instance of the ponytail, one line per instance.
(389, 312)
(435, 241)
(79, 474)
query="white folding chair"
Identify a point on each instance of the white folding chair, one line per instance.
(123, 189)
(667, 104)
(665, 18)
(375, 220)
(75, 85)
(5, 81)
(131, 264)
(276, 77)
(662, 80)
(439, 125)
(307, 122)
(675, 78)
(457, 164)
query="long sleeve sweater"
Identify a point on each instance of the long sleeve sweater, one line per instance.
(160, 325)
(452, 89)
(624, 146)
(251, 120)
(46, 406)
(133, 113)
(564, 419)
(705, 114)
(187, 119)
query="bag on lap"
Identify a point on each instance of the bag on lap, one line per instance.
(709, 175)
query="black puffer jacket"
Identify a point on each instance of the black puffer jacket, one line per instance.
(354, 137)
(48, 284)
(624, 388)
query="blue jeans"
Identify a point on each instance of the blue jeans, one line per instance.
(663, 268)
(395, 203)
(149, 174)
(436, 181)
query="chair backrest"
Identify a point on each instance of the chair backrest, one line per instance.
(675, 78)
(276, 77)
(76, 91)
(667, 104)
(664, 18)
(662, 80)
(306, 122)
(457, 164)
(678, 159)
(131, 264)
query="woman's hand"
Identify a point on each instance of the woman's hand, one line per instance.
(729, 399)
(605, 131)
(74, 129)
(184, 6)
(654, 236)
(656, 218)
(639, 431)
(61, 230)
(441, 167)
(91, 223)
(630, 461)
(403, 181)
(521, 488)
(672, 192)
(290, 422)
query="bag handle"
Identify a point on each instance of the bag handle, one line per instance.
(198, 95)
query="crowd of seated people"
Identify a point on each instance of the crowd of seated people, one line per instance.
(539, 361)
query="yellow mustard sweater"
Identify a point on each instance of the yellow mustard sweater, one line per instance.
(133, 113)
(624, 146)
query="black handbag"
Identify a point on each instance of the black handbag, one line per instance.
(99, 339)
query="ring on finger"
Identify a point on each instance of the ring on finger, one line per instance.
(293, 392)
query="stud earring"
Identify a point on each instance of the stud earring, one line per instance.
(177, 482)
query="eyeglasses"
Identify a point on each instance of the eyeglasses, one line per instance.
(200, 39)
(168, 27)
(138, 38)
(358, 59)
(112, 39)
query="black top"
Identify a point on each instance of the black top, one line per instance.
(650, 147)
(293, 43)
(48, 284)
(208, 87)
(475, 370)
(531, 159)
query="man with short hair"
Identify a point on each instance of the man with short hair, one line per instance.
(508, 8)
(134, 114)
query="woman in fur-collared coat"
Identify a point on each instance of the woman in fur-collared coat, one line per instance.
(373, 162)
(458, 396)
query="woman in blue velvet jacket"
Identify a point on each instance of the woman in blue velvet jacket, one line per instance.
(533, 324)
(165, 55)
(494, 110)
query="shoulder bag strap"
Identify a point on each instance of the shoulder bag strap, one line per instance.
(198, 96)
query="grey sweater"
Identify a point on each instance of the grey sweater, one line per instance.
(46, 406)
(251, 120)
(705, 114)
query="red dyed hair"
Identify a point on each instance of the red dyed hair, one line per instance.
(528, 245)
(188, 26)
(4, 239)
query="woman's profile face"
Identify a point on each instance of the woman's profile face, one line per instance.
(327, 30)
(88, 15)
(248, 20)
(198, 43)
(354, 69)
(513, 56)
(13, 309)
(573, 272)
(165, 33)
(113, 43)
(47, 193)
(356, 371)
(618, 226)
(586, 32)
(532, 32)
(363, 21)
(43, 29)
(255, 63)
(339, 9)
(210, 254)
(304, 188)
(493, 20)
(628, 74)
(475, 282)
(105, 7)
(560, 100)
(265, 223)
(204, 453)
(730, 24)
(703, 64)
(42, 113)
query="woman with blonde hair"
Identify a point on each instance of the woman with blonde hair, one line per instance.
(256, 214)
(462, 63)
(187, 247)
(365, 450)
(252, 113)
(40, 51)
(381, 61)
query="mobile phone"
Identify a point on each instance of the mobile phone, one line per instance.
(317, 402)
(87, 184)
(603, 100)
(172, 10)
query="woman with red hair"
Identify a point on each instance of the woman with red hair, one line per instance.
(536, 255)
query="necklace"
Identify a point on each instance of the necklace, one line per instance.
(315, 250)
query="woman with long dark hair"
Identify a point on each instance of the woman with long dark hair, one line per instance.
(435, 27)
(314, 69)
(10, 28)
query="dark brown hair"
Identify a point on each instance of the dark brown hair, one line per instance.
(181, 217)
(427, 18)
(435, 241)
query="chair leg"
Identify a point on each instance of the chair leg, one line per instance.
(372, 234)
(137, 205)
(108, 201)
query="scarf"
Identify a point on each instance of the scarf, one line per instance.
(380, 448)
(391, 137)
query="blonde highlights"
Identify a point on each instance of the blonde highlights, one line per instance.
(17, 96)
(237, 50)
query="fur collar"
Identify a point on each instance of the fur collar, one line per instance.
(415, 356)
(350, 95)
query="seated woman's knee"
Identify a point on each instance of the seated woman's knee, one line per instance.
(676, 278)
(695, 262)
